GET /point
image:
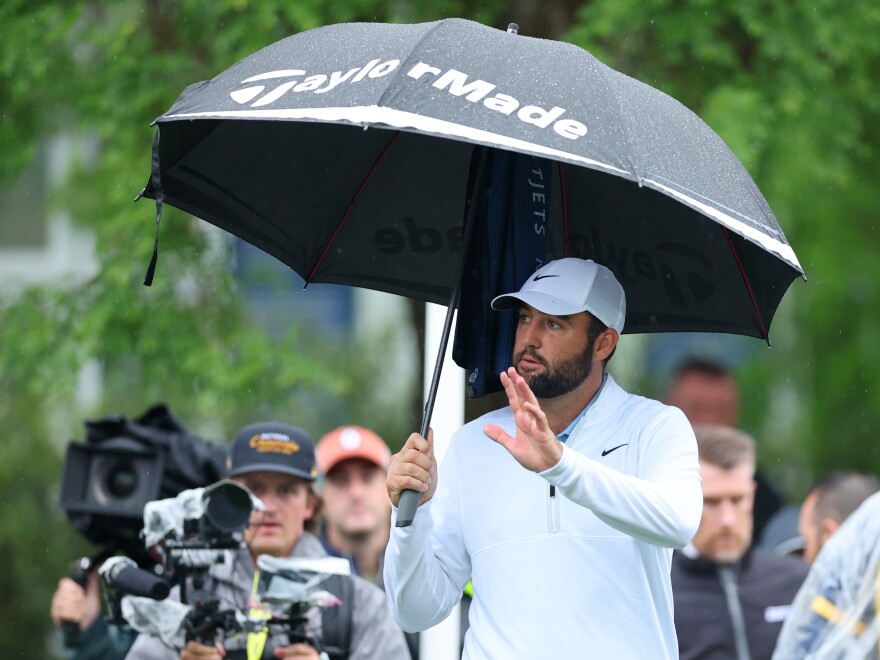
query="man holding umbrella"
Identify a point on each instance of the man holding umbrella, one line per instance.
(565, 506)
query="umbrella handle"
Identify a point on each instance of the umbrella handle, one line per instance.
(406, 510)
(409, 499)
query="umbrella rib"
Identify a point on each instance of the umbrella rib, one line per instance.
(404, 66)
(564, 212)
(351, 206)
(748, 284)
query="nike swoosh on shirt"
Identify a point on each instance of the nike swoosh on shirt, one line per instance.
(605, 452)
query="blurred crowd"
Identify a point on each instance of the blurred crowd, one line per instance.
(735, 584)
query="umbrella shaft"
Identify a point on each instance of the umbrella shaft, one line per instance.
(409, 499)
(472, 208)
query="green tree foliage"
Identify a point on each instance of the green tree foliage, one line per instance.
(791, 87)
(36, 543)
(101, 72)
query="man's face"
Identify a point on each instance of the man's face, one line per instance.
(705, 399)
(355, 499)
(552, 353)
(809, 530)
(725, 531)
(289, 504)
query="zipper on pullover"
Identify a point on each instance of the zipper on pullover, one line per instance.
(553, 511)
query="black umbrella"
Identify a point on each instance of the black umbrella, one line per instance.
(281, 150)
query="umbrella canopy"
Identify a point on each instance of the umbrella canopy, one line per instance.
(368, 155)
(276, 150)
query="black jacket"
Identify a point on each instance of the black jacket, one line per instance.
(767, 585)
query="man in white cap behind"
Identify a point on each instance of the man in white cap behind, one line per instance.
(563, 507)
(356, 514)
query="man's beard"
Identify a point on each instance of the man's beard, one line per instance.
(561, 378)
(730, 555)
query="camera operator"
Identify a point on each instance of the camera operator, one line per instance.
(276, 462)
(86, 634)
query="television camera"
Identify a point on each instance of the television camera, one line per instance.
(203, 527)
(191, 532)
(123, 464)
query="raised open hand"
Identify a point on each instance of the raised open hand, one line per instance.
(535, 446)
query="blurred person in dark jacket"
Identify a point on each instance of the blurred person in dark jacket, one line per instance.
(707, 393)
(730, 598)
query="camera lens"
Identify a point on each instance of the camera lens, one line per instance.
(121, 480)
(227, 508)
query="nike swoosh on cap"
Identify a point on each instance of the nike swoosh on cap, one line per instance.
(541, 277)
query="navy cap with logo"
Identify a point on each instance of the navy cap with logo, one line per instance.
(272, 447)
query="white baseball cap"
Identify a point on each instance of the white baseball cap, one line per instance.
(571, 286)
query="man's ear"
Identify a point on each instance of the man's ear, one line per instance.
(313, 505)
(827, 527)
(605, 344)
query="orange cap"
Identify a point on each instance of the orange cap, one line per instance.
(351, 442)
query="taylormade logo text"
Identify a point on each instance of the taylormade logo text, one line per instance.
(452, 81)
(317, 83)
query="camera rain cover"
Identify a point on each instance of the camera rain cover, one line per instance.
(164, 518)
(834, 615)
(288, 580)
(162, 618)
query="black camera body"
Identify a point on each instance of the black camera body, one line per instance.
(125, 463)
(116, 477)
